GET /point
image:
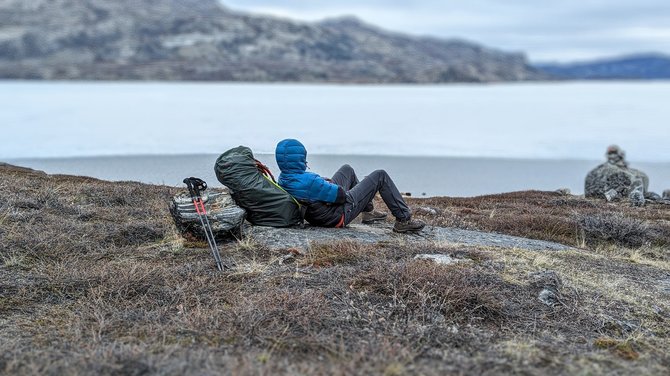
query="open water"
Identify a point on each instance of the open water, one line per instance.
(430, 176)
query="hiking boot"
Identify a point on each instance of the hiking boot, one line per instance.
(373, 216)
(410, 225)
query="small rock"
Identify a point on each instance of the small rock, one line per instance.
(637, 198)
(666, 194)
(549, 297)
(653, 196)
(550, 283)
(611, 195)
(426, 210)
(439, 259)
(563, 191)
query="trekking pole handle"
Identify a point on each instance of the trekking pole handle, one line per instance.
(195, 185)
(190, 188)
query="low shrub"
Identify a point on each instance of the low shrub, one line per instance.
(423, 291)
(615, 228)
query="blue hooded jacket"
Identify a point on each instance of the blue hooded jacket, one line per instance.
(306, 186)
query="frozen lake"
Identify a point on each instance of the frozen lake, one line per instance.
(545, 120)
(440, 140)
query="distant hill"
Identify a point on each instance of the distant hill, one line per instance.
(203, 40)
(647, 66)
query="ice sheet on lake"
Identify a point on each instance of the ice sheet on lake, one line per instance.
(538, 120)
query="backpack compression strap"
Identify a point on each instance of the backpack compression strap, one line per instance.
(265, 170)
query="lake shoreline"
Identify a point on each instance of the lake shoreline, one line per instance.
(420, 176)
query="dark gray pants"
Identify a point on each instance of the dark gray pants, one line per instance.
(360, 194)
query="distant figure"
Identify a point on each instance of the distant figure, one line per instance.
(614, 180)
(338, 201)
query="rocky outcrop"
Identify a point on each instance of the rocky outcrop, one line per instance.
(202, 40)
(614, 180)
(302, 239)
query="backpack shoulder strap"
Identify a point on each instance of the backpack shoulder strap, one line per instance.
(267, 174)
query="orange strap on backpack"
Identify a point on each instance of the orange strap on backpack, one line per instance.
(265, 170)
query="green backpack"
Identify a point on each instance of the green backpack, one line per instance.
(253, 188)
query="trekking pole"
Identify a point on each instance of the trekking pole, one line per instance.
(195, 186)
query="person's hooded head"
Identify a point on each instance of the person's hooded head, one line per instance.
(291, 156)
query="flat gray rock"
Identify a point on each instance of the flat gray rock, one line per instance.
(439, 259)
(277, 238)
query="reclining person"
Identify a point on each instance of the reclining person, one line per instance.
(338, 201)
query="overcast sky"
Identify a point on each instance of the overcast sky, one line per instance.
(559, 30)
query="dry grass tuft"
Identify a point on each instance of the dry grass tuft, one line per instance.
(334, 253)
(623, 349)
(425, 291)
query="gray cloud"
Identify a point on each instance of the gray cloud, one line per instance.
(545, 30)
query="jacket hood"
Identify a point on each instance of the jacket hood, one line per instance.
(291, 156)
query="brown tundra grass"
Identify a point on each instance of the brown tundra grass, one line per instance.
(94, 279)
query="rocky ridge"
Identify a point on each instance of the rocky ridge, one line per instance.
(203, 40)
(633, 67)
